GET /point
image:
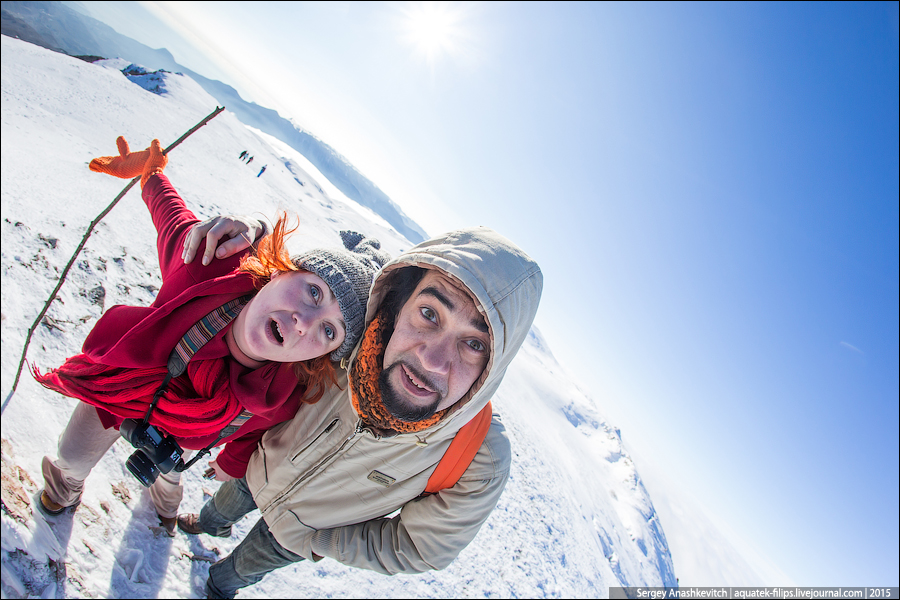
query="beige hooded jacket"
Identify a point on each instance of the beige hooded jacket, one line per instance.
(324, 483)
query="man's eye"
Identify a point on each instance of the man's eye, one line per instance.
(314, 292)
(428, 314)
(329, 331)
(477, 346)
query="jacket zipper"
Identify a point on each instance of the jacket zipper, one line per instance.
(281, 497)
(316, 439)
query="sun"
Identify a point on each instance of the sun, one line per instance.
(434, 28)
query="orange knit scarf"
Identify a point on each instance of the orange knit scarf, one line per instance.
(364, 385)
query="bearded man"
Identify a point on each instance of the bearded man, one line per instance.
(443, 322)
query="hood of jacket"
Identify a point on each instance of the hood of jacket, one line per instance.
(506, 285)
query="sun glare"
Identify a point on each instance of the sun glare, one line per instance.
(434, 28)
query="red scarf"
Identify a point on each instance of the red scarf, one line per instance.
(196, 404)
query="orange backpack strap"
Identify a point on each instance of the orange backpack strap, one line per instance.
(461, 452)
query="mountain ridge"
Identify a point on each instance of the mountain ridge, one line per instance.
(59, 27)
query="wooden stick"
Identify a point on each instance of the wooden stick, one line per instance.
(84, 240)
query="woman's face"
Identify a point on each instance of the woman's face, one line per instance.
(294, 317)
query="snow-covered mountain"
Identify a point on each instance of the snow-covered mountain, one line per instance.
(574, 520)
(56, 26)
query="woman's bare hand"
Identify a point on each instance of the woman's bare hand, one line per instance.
(238, 233)
(215, 472)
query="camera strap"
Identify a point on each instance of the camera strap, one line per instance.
(228, 430)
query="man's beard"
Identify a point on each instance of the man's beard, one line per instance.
(398, 405)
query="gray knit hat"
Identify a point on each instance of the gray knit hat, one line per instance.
(349, 273)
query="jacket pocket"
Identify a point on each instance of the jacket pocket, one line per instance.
(331, 427)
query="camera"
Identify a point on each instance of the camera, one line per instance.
(156, 452)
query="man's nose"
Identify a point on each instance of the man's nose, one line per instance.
(437, 355)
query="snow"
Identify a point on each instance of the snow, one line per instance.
(705, 550)
(574, 519)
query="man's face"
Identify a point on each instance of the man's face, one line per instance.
(439, 347)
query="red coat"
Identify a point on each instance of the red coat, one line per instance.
(141, 338)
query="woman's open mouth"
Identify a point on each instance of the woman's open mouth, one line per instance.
(273, 325)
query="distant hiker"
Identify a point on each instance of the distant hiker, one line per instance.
(263, 170)
(272, 328)
(249, 160)
(445, 321)
(243, 154)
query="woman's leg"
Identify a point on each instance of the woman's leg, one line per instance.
(82, 444)
(166, 492)
(257, 555)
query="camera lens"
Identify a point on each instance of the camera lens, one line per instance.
(142, 467)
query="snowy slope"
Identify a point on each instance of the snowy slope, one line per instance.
(58, 26)
(575, 517)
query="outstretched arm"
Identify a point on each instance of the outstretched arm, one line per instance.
(170, 215)
(428, 534)
(240, 231)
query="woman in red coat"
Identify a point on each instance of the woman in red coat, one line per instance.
(295, 315)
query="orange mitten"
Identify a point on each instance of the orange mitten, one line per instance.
(155, 163)
(127, 165)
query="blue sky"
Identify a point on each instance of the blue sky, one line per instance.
(710, 189)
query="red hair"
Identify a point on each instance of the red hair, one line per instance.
(272, 255)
